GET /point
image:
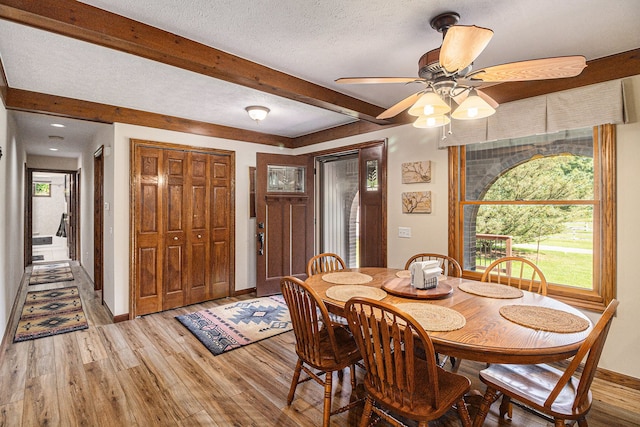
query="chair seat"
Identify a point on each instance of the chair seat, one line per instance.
(536, 383)
(451, 385)
(347, 350)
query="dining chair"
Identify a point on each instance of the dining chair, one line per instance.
(517, 272)
(547, 389)
(450, 267)
(320, 344)
(324, 263)
(401, 379)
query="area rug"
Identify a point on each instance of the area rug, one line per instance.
(50, 274)
(234, 325)
(51, 312)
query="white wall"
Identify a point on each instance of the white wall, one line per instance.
(11, 216)
(116, 241)
(104, 137)
(52, 162)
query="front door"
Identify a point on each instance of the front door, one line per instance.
(284, 219)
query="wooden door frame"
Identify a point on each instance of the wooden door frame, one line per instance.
(384, 181)
(133, 144)
(28, 212)
(98, 220)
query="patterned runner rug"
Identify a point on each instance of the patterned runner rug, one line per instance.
(51, 312)
(50, 273)
(234, 325)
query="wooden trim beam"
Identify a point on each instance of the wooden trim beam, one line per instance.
(77, 20)
(23, 100)
(599, 70)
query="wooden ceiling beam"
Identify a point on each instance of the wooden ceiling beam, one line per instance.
(34, 102)
(71, 18)
(599, 70)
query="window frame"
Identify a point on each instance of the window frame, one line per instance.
(604, 216)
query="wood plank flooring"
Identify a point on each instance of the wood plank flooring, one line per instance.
(152, 371)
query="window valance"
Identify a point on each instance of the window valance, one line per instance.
(570, 109)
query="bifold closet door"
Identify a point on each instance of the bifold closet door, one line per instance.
(183, 228)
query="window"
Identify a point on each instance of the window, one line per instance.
(549, 198)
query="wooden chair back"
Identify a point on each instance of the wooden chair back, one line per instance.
(388, 340)
(592, 346)
(517, 272)
(308, 315)
(450, 267)
(324, 263)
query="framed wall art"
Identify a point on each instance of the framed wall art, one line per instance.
(414, 172)
(416, 202)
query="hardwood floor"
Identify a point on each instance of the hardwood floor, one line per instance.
(152, 371)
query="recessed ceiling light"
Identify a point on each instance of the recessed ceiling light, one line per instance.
(57, 125)
(53, 149)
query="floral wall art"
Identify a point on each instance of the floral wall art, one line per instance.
(414, 172)
(416, 202)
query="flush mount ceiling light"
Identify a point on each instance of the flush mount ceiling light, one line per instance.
(257, 112)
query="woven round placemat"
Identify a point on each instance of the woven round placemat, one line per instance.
(434, 318)
(404, 274)
(344, 292)
(544, 318)
(490, 290)
(347, 278)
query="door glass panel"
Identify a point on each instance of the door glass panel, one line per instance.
(372, 175)
(340, 207)
(285, 179)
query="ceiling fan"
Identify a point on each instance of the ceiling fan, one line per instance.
(447, 76)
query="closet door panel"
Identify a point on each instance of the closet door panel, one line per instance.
(174, 220)
(221, 225)
(199, 223)
(148, 230)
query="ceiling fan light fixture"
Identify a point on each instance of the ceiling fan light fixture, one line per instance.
(431, 121)
(257, 113)
(473, 107)
(429, 104)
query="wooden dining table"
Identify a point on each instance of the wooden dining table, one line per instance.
(487, 336)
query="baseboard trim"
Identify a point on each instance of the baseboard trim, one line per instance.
(121, 318)
(607, 375)
(244, 292)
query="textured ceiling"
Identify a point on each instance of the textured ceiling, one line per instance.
(315, 40)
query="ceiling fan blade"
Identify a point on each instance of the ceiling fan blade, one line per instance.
(535, 69)
(400, 106)
(461, 45)
(376, 80)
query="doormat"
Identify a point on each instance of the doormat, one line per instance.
(241, 323)
(51, 312)
(50, 274)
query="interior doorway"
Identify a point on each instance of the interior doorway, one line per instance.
(51, 216)
(351, 212)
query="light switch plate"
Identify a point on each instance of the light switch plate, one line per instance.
(404, 232)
